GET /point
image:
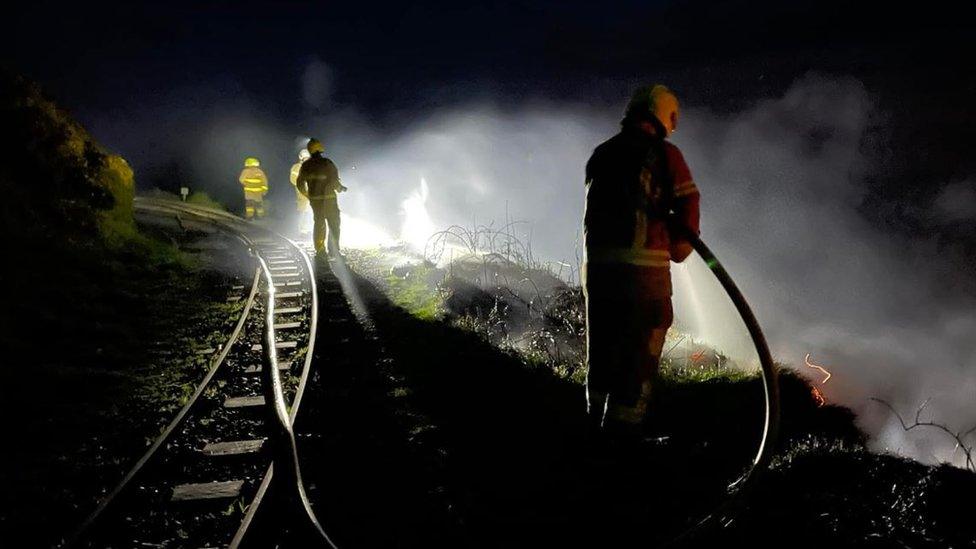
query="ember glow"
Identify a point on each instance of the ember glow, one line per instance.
(806, 360)
(818, 396)
(817, 393)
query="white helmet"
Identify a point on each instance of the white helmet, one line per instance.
(655, 101)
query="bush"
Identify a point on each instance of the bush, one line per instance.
(416, 293)
(58, 184)
(201, 198)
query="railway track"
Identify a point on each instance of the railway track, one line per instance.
(225, 472)
(210, 479)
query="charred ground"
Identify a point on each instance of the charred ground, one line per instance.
(499, 433)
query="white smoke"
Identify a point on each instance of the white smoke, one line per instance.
(317, 84)
(781, 185)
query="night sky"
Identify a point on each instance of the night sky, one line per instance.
(853, 126)
(396, 62)
(412, 55)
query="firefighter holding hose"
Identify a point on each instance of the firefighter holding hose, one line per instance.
(637, 186)
(255, 184)
(318, 180)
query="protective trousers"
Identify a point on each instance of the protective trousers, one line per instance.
(628, 313)
(253, 204)
(301, 202)
(302, 207)
(325, 213)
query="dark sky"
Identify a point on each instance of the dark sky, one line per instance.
(400, 60)
(393, 57)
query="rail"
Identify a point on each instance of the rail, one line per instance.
(290, 503)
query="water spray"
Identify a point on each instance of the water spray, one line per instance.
(770, 388)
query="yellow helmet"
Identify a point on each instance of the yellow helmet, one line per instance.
(251, 162)
(655, 101)
(315, 146)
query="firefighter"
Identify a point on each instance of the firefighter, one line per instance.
(318, 180)
(255, 185)
(301, 202)
(638, 188)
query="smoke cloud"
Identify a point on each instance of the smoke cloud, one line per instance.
(781, 183)
(317, 85)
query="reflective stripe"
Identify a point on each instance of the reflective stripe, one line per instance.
(684, 189)
(640, 256)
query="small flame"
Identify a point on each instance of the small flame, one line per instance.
(417, 226)
(818, 396)
(816, 367)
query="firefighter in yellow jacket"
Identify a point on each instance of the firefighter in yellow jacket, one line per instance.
(301, 201)
(638, 188)
(318, 180)
(255, 185)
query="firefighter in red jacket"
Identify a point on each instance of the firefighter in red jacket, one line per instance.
(637, 185)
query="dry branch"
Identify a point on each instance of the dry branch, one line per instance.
(959, 436)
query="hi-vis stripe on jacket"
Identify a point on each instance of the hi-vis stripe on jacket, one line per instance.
(627, 188)
(253, 180)
(318, 178)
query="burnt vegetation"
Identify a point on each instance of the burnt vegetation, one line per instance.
(502, 391)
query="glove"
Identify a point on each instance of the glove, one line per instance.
(680, 250)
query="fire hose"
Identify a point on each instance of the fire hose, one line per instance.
(770, 390)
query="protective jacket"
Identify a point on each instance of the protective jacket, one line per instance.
(634, 182)
(293, 176)
(318, 178)
(300, 201)
(254, 181)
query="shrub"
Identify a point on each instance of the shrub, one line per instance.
(201, 198)
(58, 184)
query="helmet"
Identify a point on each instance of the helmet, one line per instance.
(304, 155)
(251, 162)
(657, 101)
(315, 146)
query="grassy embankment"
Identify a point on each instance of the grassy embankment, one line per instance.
(97, 318)
(491, 396)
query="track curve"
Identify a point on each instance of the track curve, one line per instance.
(213, 459)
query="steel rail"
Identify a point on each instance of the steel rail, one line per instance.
(292, 490)
(280, 426)
(239, 536)
(285, 447)
(217, 362)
